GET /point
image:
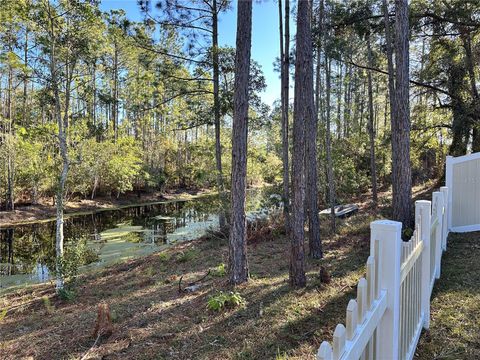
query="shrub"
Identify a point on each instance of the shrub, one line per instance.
(76, 255)
(185, 256)
(225, 300)
(219, 270)
(66, 294)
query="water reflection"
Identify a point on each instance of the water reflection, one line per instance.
(27, 252)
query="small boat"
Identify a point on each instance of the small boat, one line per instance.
(341, 211)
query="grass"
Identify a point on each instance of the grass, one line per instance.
(153, 320)
(455, 308)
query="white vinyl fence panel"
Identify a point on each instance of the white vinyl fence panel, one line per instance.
(393, 301)
(463, 180)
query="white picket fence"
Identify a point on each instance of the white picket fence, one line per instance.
(462, 176)
(393, 301)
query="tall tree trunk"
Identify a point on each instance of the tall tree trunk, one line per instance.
(25, 80)
(216, 112)
(391, 71)
(285, 76)
(303, 107)
(467, 44)
(238, 264)
(401, 168)
(115, 92)
(10, 161)
(371, 128)
(311, 127)
(339, 101)
(328, 145)
(62, 123)
(347, 100)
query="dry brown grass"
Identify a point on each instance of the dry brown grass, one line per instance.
(152, 320)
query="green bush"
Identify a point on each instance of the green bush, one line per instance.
(76, 254)
(185, 256)
(225, 300)
(219, 270)
(67, 294)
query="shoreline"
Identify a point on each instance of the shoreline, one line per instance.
(42, 213)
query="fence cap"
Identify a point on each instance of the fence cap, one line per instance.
(386, 225)
(423, 202)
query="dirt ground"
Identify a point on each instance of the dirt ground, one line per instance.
(152, 319)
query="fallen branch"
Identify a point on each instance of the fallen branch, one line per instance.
(180, 290)
(94, 344)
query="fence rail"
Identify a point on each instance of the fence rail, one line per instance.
(393, 301)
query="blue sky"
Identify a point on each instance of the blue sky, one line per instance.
(265, 37)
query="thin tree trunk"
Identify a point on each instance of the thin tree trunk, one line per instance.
(467, 44)
(115, 92)
(10, 161)
(391, 71)
(238, 264)
(311, 129)
(25, 80)
(216, 111)
(285, 76)
(339, 101)
(303, 107)
(401, 168)
(371, 128)
(348, 104)
(65, 164)
(62, 123)
(328, 143)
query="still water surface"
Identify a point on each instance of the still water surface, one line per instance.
(27, 252)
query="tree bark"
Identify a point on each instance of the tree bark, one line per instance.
(401, 168)
(391, 71)
(10, 161)
(216, 112)
(339, 84)
(371, 128)
(285, 76)
(238, 264)
(303, 77)
(115, 92)
(328, 145)
(467, 44)
(311, 127)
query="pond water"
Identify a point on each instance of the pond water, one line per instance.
(27, 252)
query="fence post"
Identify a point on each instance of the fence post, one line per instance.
(386, 235)
(449, 185)
(444, 191)
(438, 199)
(423, 209)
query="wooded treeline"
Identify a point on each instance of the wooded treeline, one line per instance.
(136, 104)
(93, 102)
(362, 110)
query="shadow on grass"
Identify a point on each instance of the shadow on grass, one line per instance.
(455, 305)
(152, 320)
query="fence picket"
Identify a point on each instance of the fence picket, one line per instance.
(399, 277)
(362, 299)
(352, 313)
(370, 281)
(325, 351)
(338, 341)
